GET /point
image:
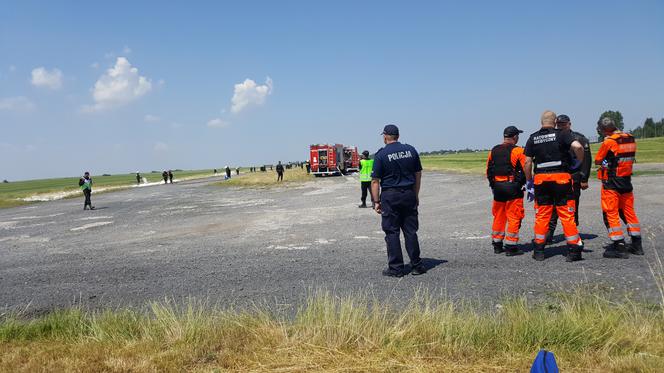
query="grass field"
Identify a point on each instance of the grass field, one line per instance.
(649, 151)
(268, 179)
(11, 193)
(586, 331)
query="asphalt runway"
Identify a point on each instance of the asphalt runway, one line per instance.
(234, 246)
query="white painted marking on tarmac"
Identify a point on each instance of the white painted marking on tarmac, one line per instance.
(91, 225)
(96, 218)
(30, 217)
(25, 238)
(8, 224)
(143, 212)
(288, 247)
(477, 237)
(362, 237)
(322, 241)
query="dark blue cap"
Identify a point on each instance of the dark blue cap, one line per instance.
(391, 130)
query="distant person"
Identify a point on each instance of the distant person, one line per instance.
(308, 166)
(504, 170)
(164, 175)
(395, 187)
(138, 178)
(366, 166)
(215, 171)
(580, 172)
(280, 171)
(170, 176)
(85, 183)
(237, 170)
(228, 172)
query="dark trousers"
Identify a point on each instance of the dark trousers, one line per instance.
(87, 193)
(280, 176)
(553, 223)
(366, 189)
(399, 213)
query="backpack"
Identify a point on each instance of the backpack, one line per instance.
(544, 362)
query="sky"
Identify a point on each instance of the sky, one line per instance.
(151, 85)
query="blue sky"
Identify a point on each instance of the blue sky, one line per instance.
(124, 86)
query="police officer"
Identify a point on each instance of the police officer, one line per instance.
(280, 171)
(548, 150)
(85, 183)
(615, 158)
(366, 166)
(504, 170)
(580, 174)
(395, 188)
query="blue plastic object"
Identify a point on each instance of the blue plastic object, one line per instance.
(544, 362)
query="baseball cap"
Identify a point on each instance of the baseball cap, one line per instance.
(562, 118)
(391, 130)
(511, 131)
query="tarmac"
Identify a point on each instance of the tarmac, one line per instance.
(236, 247)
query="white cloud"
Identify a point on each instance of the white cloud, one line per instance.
(94, 65)
(47, 79)
(149, 118)
(247, 94)
(120, 85)
(160, 146)
(217, 123)
(19, 103)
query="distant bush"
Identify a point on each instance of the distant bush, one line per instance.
(5, 181)
(106, 175)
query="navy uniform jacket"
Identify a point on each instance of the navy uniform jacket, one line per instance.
(395, 165)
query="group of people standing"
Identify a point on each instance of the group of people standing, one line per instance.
(553, 169)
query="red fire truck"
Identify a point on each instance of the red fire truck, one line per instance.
(333, 160)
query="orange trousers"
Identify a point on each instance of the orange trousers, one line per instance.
(510, 213)
(566, 215)
(616, 205)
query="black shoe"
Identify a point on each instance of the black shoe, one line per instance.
(618, 250)
(635, 247)
(390, 272)
(498, 248)
(362, 206)
(549, 238)
(512, 250)
(538, 251)
(92, 207)
(419, 269)
(574, 253)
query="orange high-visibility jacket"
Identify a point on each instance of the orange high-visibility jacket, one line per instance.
(619, 150)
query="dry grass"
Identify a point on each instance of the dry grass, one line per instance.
(268, 179)
(588, 332)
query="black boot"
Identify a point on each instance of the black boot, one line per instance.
(512, 250)
(636, 248)
(574, 253)
(618, 250)
(498, 248)
(549, 237)
(538, 251)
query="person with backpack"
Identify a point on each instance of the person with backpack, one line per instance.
(85, 183)
(549, 184)
(504, 171)
(616, 157)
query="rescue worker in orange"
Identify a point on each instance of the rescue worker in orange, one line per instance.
(504, 170)
(548, 152)
(615, 158)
